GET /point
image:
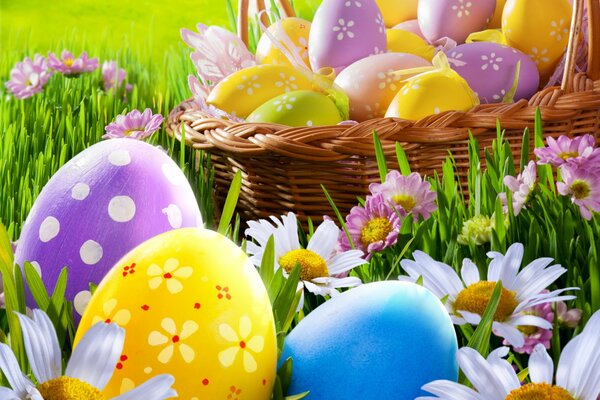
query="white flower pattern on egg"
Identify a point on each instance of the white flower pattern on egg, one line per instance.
(539, 56)
(500, 96)
(411, 85)
(110, 313)
(248, 85)
(343, 29)
(559, 29)
(287, 82)
(462, 8)
(284, 103)
(380, 23)
(491, 60)
(173, 340)
(241, 341)
(171, 273)
(388, 80)
(350, 3)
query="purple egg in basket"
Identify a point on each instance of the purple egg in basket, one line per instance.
(104, 202)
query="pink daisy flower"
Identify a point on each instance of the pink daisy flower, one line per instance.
(582, 185)
(521, 188)
(558, 152)
(535, 335)
(28, 77)
(68, 65)
(409, 193)
(134, 125)
(568, 316)
(372, 227)
(112, 75)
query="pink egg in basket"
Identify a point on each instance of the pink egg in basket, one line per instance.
(343, 32)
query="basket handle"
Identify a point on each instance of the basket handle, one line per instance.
(593, 8)
(242, 18)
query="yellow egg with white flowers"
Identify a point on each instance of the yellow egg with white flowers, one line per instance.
(245, 90)
(401, 41)
(538, 28)
(193, 306)
(289, 32)
(397, 11)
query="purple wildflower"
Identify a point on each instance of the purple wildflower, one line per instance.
(579, 149)
(521, 187)
(582, 185)
(68, 65)
(28, 77)
(112, 75)
(134, 125)
(534, 335)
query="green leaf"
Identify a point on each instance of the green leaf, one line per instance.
(402, 160)
(480, 340)
(230, 203)
(267, 264)
(339, 216)
(37, 287)
(525, 150)
(380, 156)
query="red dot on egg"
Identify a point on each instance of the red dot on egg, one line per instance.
(264, 382)
(145, 307)
(119, 366)
(124, 358)
(197, 306)
(205, 381)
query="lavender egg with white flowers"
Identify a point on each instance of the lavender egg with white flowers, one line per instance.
(490, 69)
(343, 32)
(104, 202)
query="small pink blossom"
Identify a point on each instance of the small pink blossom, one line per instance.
(521, 187)
(372, 227)
(70, 66)
(112, 75)
(566, 316)
(28, 77)
(563, 150)
(410, 193)
(582, 185)
(134, 125)
(535, 335)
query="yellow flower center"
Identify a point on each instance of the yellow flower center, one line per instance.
(375, 230)
(67, 388)
(581, 189)
(129, 132)
(69, 62)
(565, 155)
(312, 265)
(407, 202)
(539, 391)
(476, 297)
(528, 330)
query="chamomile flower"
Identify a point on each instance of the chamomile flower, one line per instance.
(320, 263)
(577, 374)
(467, 298)
(90, 368)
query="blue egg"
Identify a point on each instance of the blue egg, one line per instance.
(381, 340)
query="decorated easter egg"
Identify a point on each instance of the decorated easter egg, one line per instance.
(299, 108)
(490, 70)
(371, 83)
(345, 31)
(455, 19)
(383, 340)
(243, 91)
(289, 32)
(397, 11)
(105, 201)
(412, 25)
(496, 21)
(399, 41)
(432, 92)
(540, 29)
(193, 306)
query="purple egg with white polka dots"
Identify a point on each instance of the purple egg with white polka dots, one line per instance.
(345, 31)
(490, 68)
(107, 200)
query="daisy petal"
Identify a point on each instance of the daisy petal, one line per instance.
(469, 272)
(49, 334)
(481, 375)
(541, 368)
(512, 335)
(11, 370)
(94, 359)
(324, 239)
(448, 390)
(37, 349)
(157, 388)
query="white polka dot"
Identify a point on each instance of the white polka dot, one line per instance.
(309, 123)
(49, 229)
(173, 174)
(91, 252)
(80, 191)
(37, 267)
(81, 301)
(121, 208)
(436, 110)
(148, 370)
(119, 158)
(173, 215)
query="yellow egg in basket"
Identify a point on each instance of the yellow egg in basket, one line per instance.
(242, 92)
(496, 21)
(540, 29)
(289, 32)
(396, 11)
(432, 92)
(401, 41)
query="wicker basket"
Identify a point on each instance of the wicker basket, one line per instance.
(283, 168)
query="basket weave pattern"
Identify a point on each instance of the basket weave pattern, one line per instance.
(283, 167)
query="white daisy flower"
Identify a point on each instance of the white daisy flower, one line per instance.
(577, 374)
(320, 262)
(90, 368)
(467, 298)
